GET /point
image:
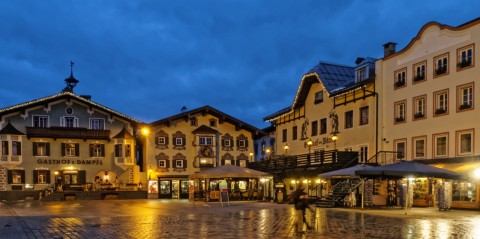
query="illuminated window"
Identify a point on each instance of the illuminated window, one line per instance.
(97, 150)
(41, 149)
(440, 143)
(70, 149)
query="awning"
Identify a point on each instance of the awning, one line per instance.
(467, 169)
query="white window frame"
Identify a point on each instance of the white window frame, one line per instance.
(419, 151)
(465, 97)
(69, 151)
(436, 146)
(205, 140)
(41, 148)
(65, 121)
(178, 163)
(420, 70)
(318, 97)
(466, 54)
(420, 103)
(241, 143)
(440, 62)
(441, 102)
(162, 140)
(97, 150)
(400, 111)
(400, 76)
(97, 123)
(42, 121)
(465, 148)
(16, 148)
(178, 141)
(397, 144)
(162, 163)
(361, 74)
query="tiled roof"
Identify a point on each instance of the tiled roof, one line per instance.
(204, 130)
(333, 76)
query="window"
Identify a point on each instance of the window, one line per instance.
(440, 142)
(363, 153)
(16, 148)
(400, 77)
(162, 140)
(70, 149)
(97, 124)
(318, 97)
(193, 121)
(205, 140)
(364, 115)
(178, 163)
(16, 176)
(348, 119)
(294, 133)
(128, 150)
(213, 123)
(97, 150)
(118, 150)
(441, 64)
(69, 121)
(40, 121)
(162, 163)
(419, 107)
(178, 141)
(41, 149)
(419, 71)
(242, 143)
(400, 148)
(284, 135)
(465, 142)
(419, 147)
(441, 102)
(41, 176)
(323, 126)
(465, 97)
(400, 108)
(314, 128)
(465, 57)
(361, 74)
(5, 148)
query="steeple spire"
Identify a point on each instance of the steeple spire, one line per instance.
(70, 81)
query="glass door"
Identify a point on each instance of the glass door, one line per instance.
(165, 189)
(175, 187)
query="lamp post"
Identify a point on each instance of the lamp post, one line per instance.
(334, 139)
(145, 131)
(251, 157)
(268, 153)
(286, 148)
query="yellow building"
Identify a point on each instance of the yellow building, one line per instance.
(333, 116)
(186, 143)
(428, 106)
(66, 142)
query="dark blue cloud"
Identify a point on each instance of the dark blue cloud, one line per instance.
(147, 59)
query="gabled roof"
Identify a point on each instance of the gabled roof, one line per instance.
(9, 129)
(64, 95)
(211, 111)
(124, 134)
(278, 113)
(204, 130)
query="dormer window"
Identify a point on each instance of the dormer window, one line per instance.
(213, 123)
(361, 74)
(318, 97)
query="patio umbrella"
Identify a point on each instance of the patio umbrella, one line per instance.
(408, 169)
(345, 172)
(229, 171)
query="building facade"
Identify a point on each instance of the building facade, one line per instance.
(194, 140)
(429, 106)
(66, 141)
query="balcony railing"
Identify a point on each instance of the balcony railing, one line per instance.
(68, 133)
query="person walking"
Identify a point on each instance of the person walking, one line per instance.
(300, 201)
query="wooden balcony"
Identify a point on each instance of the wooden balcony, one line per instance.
(67, 133)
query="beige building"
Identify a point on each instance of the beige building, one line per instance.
(332, 117)
(428, 106)
(66, 140)
(186, 143)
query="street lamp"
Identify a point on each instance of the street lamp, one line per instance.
(268, 153)
(251, 156)
(286, 148)
(309, 145)
(334, 139)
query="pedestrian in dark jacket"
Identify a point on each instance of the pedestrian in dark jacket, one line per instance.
(300, 201)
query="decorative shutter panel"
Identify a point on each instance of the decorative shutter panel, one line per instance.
(5, 143)
(19, 148)
(222, 162)
(22, 173)
(35, 176)
(82, 176)
(184, 141)
(223, 142)
(62, 121)
(246, 143)
(75, 122)
(156, 140)
(48, 149)
(48, 176)
(35, 144)
(166, 140)
(63, 149)
(167, 163)
(102, 148)
(77, 150)
(9, 177)
(184, 163)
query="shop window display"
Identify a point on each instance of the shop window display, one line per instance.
(464, 191)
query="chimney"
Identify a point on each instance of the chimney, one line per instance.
(87, 97)
(389, 48)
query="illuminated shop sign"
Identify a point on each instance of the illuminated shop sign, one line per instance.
(71, 161)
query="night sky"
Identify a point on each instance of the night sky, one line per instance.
(148, 59)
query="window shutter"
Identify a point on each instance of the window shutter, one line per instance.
(184, 163)
(246, 143)
(222, 162)
(167, 163)
(156, 140)
(48, 176)
(223, 142)
(22, 173)
(35, 144)
(5, 147)
(166, 140)
(102, 148)
(75, 124)
(184, 142)
(48, 149)
(238, 143)
(35, 176)
(91, 150)
(63, 149)
(62, 121)
(81, 176)
(77, 150)
(9, 177)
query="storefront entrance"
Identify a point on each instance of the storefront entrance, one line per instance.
(174, 189)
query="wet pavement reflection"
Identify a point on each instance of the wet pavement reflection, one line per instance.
(183, 219)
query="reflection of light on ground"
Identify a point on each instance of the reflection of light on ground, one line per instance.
(475, 228)
(426, 228)
(443, 229)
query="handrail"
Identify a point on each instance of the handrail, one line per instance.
(384, 156)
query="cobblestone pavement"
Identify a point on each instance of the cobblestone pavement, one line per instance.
(183, 219)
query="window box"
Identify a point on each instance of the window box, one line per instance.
(440, 111)
(419, 78)
(399, 119)
(465, 106)
(400, 83)
(441, 70)
(419, 115)
(464, 63)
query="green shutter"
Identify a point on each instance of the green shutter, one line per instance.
(63, 149)
(82, 177)
(22, 173)
(35, 145)
(19, 148)
(102, 148)
(91, 150)
(77, 150)
(9, 177)
(35, 176)
(48, 176)
(48, 149)
(184, 163)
